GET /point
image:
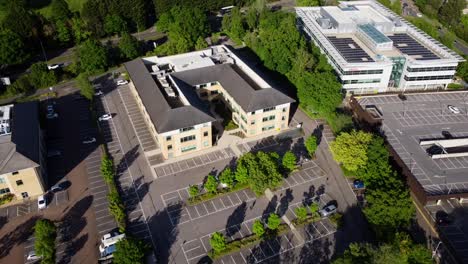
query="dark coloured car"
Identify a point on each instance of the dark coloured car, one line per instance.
(358, 184)
(442, 218)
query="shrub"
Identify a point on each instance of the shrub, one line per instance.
(86, 88)
(41, 77)
(211, 184)
(258, 228)
(311, 145)
(117, 209)
(241, 174)
(218, 242)
(44, 245)
(227, 177)
(274, 221)
(193, 191)
(289, 161)
(6, 198)
(314, 208)
(301, 213)
(130, 250)
(107, 169)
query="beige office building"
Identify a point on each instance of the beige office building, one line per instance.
(22, 164)
(177, 93)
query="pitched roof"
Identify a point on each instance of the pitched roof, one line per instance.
(21, 149)
(164, 117)
(240, 87)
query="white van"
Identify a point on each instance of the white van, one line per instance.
(110, 239)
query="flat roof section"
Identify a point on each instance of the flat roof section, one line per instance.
(374, 34)
(350, 50)
(421, 117)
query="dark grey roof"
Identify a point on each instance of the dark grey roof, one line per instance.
(21, 149)
(162, 115)
(239, 87)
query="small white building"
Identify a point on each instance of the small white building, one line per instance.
(374, 50)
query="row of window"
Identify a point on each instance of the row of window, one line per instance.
(267, 128)
(187, 138)
(4, 190)
(362, 72)
(361, 81)
(447, 68)
(268, 118)
(425, 78)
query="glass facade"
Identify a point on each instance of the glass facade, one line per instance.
(397, 71)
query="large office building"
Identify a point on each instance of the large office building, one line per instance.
(22, 159)
(177, 94)
(374, 50)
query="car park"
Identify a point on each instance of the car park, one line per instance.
(41, 202)
(97, 86)
(328, 210)
(122, 82)
(358, 184)
(53, 153)
(105, 117)
(50, 108)
(52, 115)
(442, 218)
(108, 253)
(454, 109)
(89, 140)
(32, 256)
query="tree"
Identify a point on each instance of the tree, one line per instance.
(60, 10)
(129, 46)
(114, 24)
(289, 161)
(462, 70)
(314, 208)
(218, 242)
(18, 18)
(227, 177)
(44, 245)
(41, 77)
(129, 251)
(193, 191)
(211, 184)
(311, 145)
(64, 34)
(117, 208)
(233, 24)
(12, 50)
(252, 18)
(79, 30)
(201, 44)
(451, 12)
(274, 221)
(21, 85)
(86, 88)
(263, 170)
(241, 174)
(93, 56)
(350, 149)
(107, 165)
(301, 213)
(258, 228)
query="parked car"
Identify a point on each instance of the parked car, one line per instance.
(108, 252)
(328, 210)
(89, 140)
(110, 239)
(121, 82)
(358, 184)
(97, 86)
(41, 202)
(105, 117)
(53, 153)
(53, 66)
(32, 256)
(442, 218)
(56, 188)
(51, 115)
(50, 108)
(454, 109)
(98, 93)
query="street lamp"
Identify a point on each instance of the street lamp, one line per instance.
(434, 252)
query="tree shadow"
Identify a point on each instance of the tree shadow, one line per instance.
(17, 236)
(284, 202)
(165, 231)
(127, 160)
(235, 219)
(309, 195)
(317, 250)
(318, 133)
(299, 149)
(271, 207)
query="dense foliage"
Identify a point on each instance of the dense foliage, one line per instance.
(218, 242)
(44, 244)
(311, 145)
(12, 48)
(350, 149)
(289, 161)
(41, 77)
(130, 251)
(92, 56)
(87, 90)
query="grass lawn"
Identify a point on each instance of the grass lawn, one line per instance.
(74, 5)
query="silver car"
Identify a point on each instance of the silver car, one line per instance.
(327, 210)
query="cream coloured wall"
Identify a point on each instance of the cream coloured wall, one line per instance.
(31, 183)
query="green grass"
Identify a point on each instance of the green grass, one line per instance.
(74, 5)
(209, 196)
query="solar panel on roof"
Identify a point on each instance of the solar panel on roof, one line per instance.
(412, 47)
(350, 50)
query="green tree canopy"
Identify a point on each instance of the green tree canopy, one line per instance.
(451, 12)
(129, 46)
(311, 145)
(227, 177)
(12, 50)
(44, 245)
(41, 77)
(262, 170)
(18, 18)
(93, 56)
(79, 30)
(130, 251)
(60, 10)
(258, 228)
(218, 242)
(233, 24)
(114, 24)
(274, 221)
(211, 184)
(350, 149)
(193, 190)
(64, 33)
(289, 161)
(21, 85)
(301, 213)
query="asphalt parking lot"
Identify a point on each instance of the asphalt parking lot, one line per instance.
(188, 164)
(62, 253)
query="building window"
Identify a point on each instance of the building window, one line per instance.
(19, 182)
(243, 118)
(285, 109)
(252, 122)
(24, 194)
(269, 109)
(283, 118)
(205, 134)
(189, 148)
(4, 190)
(205, 144)
(214, 92)
(168, 138)
(214, 83)
(267, 128)
(203, 94)
(253, 113)
(169, 147)
(268, 118)
(186, 129)
(203, 85)
(14, 173)
(2, 180)
(187, 138)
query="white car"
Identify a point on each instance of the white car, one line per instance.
(98, 93)
(41, 202)
(89, 140)
(122, 82)
(105, 117)
(32, 256)
(328, 210)
(454, 109)
(52, 115)
(110, 239)
(53, 66)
